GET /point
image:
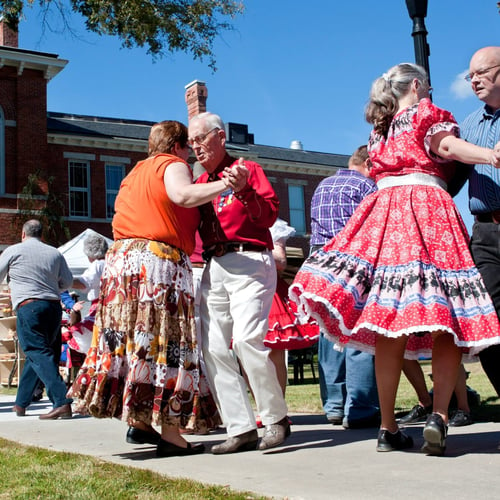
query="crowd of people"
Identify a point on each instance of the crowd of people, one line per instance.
(189, 310)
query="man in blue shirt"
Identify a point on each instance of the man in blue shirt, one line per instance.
(346, 378)
(483, 128)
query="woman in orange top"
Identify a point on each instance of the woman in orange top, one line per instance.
(143, 365)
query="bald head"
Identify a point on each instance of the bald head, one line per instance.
(484, 69)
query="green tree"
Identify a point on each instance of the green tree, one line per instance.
(38, 200)
(163, 26)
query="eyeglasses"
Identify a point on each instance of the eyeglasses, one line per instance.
(479, 73)
(200, 139)
(430, 90)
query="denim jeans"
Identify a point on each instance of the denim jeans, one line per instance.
(347, 382)
(38, 330)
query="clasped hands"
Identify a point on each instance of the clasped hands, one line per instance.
(495, 158)
(236, 176)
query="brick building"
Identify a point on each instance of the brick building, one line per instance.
(87, 156)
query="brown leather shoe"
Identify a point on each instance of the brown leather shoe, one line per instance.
(63, 411)
(234, 444)
(20, 411)
(275, 434)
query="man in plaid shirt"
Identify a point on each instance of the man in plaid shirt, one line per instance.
(347, 378)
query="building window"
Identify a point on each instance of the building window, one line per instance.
(2, 151)
(296, 204)
(79, 188)
(114, 176)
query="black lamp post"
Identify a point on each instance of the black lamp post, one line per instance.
(417, 9)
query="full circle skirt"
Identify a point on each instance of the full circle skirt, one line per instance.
(285, 330)
(401, 266)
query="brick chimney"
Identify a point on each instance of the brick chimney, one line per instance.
(8, 37)
(196, 98)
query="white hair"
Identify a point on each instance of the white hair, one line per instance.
(210, 120)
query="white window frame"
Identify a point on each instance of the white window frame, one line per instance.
(2, 151)
(77, 189)
(111, 191)
(297, 213)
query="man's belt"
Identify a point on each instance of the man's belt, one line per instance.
(220, 249)
(489, 217)
(29, 301)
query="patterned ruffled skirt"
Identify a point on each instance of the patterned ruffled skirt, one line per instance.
(285, 330)
(143, 364)
(401, 266)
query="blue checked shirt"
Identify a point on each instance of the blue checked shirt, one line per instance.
(483, 128)
(334, 201)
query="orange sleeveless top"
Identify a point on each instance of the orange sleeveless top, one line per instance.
(144, 210)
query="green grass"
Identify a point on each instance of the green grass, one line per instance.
(29, 472)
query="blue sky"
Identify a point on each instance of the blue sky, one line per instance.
(291, 70)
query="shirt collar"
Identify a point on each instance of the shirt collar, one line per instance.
(489, 114)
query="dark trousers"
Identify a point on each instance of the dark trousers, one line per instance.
(38, 330)
(485, 250)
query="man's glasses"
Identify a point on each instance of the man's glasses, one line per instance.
(200, 139)
(480, 73)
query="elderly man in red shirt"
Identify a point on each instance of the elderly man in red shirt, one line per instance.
(237, 290)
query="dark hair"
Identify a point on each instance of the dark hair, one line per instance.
(33, 228)
(386, 92)
(164, 135)
(360, 155)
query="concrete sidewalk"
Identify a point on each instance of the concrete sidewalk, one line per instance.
(318, 461)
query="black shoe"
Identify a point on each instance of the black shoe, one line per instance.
(234, 444)
(361, 423)
(335, 419)
(387, 441)
(138, 436)
(435, 432)
(460, 418)
(417, 414)
(37, 395)
(166, 449)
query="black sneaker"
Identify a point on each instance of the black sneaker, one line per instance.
(387, 441)
(435, 432)
(417, 414)
(460, 418)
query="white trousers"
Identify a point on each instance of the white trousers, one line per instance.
(197, 276)
(237, 291)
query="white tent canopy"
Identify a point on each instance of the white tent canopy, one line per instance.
(74, 254)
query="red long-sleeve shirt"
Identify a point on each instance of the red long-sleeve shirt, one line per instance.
(245, 216)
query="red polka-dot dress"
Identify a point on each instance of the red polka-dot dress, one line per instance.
(401, 266)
